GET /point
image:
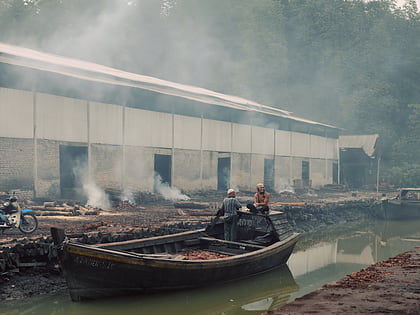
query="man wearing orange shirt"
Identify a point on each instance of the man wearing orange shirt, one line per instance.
(261, 199)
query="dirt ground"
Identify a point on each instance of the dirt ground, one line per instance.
(152, 215)
(391, 286)
(44, 280)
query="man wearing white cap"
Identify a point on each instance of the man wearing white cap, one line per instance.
(230, 206)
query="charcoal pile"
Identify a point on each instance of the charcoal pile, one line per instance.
(194, 205)
(202, 255)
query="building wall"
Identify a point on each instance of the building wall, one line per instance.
(147, 128)
(209, 167)
(61, 118)
(105, 123)
(16, 164)
(332, 149)
(47, 179)
(138, 169)
(283, 170)
(187, 132)
(106, 165)
(262, 140)
(296, 168)
(241, 176)
(122, 142)
(318, 172)
(300, 144)
(241, 138)
(283, 143)
(217, 135)
(257, 170)
(187, 169)
(16, 110)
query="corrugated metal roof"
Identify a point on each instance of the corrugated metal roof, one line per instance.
(91, 71)
(365, 142)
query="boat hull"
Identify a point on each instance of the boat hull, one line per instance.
(401, 209)
(95, 273)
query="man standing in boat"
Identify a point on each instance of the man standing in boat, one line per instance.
(230, 206)
(261, 199)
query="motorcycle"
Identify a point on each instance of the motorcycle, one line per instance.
(12, 216)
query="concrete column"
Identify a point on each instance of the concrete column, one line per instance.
(35, 144)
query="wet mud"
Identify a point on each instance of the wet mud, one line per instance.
(391, 286)
(126, 221)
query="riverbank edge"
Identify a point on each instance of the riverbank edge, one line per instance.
(39, 255)
(390, 286)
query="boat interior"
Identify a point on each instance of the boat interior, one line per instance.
(255, 232)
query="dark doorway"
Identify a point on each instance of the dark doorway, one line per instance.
(335, 173)
(73, 170)
(269, 174)
(223, 173)
(305, 174)
(163, 167)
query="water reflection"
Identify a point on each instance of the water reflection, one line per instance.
(250, 296)
(324, 257)
(327, 261)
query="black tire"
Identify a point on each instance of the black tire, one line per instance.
(28, 223)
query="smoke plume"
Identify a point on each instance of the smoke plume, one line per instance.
(167, 192)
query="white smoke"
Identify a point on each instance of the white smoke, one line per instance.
(96, 196)
(284, 186)
(167, 192)
(127, 195)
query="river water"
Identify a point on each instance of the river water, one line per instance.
(319, 258)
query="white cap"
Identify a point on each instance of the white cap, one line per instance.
(230, 191)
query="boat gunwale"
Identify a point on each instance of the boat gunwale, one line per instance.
(121, 256)
(151, 239)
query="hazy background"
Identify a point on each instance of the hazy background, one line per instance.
(352, 64)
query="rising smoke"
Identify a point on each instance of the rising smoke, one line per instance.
(128, 195)
(95, 196)
(167, 192)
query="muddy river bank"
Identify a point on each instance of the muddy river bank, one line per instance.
(391, 286)
(28, 266)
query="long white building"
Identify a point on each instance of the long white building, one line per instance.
(66, 122)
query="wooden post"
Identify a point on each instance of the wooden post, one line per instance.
(377, 177)
(57, 235)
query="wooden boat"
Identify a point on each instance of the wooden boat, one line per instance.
(406, 205)
(164, 263)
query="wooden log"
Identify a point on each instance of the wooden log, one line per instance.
(298, 204)
(55, 208)
(192, 205)
(181, 212)
(32, 264)
(92, 212)
(38, 207)
(53, 213)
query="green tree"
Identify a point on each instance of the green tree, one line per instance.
(353, 64)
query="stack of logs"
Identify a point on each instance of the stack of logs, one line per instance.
(51, 208)
(18, 255)
(25, 254)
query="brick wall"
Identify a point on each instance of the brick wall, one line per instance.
(48, 183)
(16, 164)
(107, 165)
